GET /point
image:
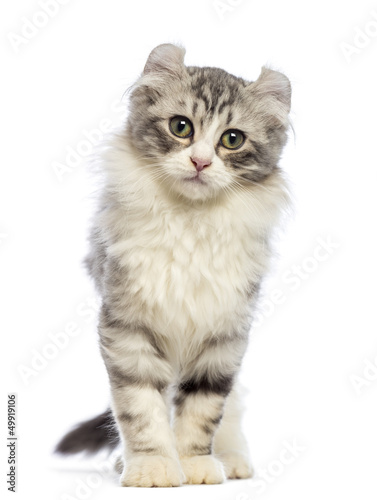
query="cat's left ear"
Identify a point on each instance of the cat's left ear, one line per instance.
(165, 58)
(274, 86)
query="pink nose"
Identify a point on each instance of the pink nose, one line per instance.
(200, 163)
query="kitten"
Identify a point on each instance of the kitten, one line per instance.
(180, 243)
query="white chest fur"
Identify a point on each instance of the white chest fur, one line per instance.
(189, 270)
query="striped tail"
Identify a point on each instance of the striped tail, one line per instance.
(91, 436)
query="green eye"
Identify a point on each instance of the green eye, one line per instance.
(232, 139)
(181, 127)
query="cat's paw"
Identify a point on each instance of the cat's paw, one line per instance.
(236, 465)
(148, 471)
(203, 469)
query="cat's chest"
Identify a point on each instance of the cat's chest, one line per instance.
(190, 272)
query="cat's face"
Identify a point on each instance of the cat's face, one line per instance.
(203, 131)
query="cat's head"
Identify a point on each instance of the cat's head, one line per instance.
(203, 131)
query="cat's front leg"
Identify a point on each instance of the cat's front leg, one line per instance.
(198, 413)
(199, 403)
(139, 375)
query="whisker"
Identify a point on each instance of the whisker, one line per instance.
(258, 184)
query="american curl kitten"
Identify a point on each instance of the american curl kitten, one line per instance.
(180, 243)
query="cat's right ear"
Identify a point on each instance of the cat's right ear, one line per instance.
(165, 58)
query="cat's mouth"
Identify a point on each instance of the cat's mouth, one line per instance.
(195, 179)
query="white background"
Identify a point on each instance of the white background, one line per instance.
(304, 359)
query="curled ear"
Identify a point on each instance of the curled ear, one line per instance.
(273, 84)
(165, 58)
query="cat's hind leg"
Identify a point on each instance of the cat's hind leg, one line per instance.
(229, 444)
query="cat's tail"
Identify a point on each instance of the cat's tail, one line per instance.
(90, 436)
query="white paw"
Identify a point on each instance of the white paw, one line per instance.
(152, 470)
(203, 469)
(236, 465)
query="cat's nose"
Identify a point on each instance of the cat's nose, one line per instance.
(200, 163)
